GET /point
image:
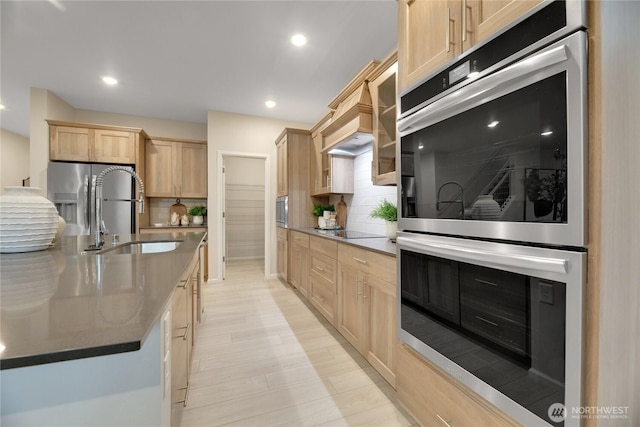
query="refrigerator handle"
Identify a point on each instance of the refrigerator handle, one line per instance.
(88, 182)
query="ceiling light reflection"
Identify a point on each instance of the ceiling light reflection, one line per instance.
(547, 133)
(493, 124)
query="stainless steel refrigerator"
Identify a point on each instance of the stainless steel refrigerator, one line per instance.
(69, 187)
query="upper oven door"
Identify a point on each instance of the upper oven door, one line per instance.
(503, 157)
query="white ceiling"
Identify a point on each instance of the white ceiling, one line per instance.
(178, 59)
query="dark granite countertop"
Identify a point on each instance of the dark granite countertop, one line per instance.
(380, 244)
(64, 304)
(161, 226)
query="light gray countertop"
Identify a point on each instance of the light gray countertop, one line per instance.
(380, 244)
(64, 304)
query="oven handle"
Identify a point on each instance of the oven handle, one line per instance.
(486, 86)
(463, 253)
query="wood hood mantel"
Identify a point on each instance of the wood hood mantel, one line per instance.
(351, 125)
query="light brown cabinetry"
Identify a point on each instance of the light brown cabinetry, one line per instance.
(299, 262)
(323, 276)
(293, 153)
(434, 398)
(79, 142)
(319, 160)
(281, 151)
(282, 253)
(182, 310)
(383, 99)
(431, 33)
(367, 306)
(176, 168)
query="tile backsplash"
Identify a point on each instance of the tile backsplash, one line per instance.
(365, 197)
(159, 208)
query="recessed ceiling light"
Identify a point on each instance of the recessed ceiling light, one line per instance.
(1, 107)
(270, 104)
(110, 80)
(547, 133)
(493, 124)
(299, 40)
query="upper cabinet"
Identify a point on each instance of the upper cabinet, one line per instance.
(283, 170)
(383, 98)
(330, 173)
(293, 148)
(81, 142)
(176, 168)
(431, 33)
(319, 160)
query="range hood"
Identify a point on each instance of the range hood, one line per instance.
(351, 126)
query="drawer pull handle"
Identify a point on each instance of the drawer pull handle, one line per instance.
(183, 283)
(484, 282)
(319, 268)
(487, 321)
(360, 260)
(443, 421)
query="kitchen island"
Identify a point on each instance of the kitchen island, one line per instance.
(86, 335)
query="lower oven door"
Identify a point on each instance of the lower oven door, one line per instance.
(504, 319)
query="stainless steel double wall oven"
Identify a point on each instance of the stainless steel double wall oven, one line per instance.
(492, 258)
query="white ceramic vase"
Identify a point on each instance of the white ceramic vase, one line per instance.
(391, 230)
(28, 221)
(197, 220)
(485, 208)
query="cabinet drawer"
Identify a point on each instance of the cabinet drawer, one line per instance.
(381, 266)
(324, 246)
(323, 266)
(433, 397)
(323, 297)
(499, 329)
(281, 233)
(494, 291)
(300, 239)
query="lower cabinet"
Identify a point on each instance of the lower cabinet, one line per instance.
(182, 339)
(355, 290)
(283, 253)
(367, 306)
(322, 276)
(433, 398)
(299, 262)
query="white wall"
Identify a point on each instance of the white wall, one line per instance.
(245, 135)
(14, 159)
(152, 126)
(365, 198)
(44, 105)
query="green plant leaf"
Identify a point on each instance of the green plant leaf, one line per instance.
(386, 211)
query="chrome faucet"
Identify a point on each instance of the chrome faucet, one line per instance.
(97, 192)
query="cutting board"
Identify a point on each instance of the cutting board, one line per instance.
(341, 213)
(178, 208)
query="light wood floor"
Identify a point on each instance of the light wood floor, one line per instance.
(265, 358)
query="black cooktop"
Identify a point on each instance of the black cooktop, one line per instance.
(349, 234)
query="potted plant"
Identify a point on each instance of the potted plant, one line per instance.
(198, 213)
(323, 212)
(389, 213)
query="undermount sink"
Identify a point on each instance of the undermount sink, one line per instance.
(132, 248)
